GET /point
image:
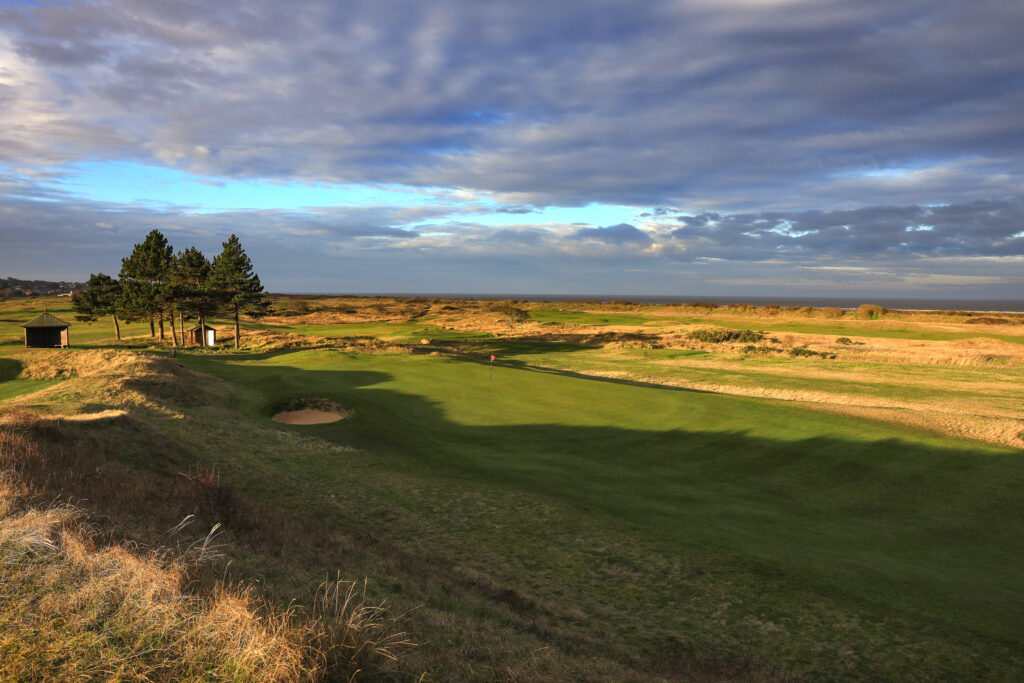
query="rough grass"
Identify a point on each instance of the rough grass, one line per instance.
(73, 611)
(73, 605)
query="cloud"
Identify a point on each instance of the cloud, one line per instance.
(970, 248)
(623, 233)
(979, 228)
(720, 105)
(860, 144)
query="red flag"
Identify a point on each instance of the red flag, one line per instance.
(492, 357)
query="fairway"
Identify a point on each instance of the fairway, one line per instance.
(703, 514)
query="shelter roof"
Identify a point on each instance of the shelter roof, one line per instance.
(46, 320)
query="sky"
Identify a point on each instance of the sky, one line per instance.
(686, 147)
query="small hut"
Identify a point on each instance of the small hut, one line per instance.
(46, 331)
(197, 333)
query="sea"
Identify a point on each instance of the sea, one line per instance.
(902, 303)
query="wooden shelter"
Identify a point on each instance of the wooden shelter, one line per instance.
(196, 334)
(46, 331)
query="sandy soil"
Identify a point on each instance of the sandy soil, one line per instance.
(310, 416)
(93, 417)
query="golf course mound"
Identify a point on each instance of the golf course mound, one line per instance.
(311, 411)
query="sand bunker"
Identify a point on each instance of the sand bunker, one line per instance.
(311, 412)
(308, 416)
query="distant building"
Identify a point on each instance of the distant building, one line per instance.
(196, 335)
(46, 331)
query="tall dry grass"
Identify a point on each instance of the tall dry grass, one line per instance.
(73, 607)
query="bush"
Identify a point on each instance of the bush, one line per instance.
(753, 348)
(804, 352)
(844, 340)
(869, 312)
(832, 313)
(717, 336)
(986, 320)
(513, 315)
(702, 304)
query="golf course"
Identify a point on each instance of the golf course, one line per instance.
(582, 510)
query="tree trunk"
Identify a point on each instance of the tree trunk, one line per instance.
(236, 327)
(174, 332)
(161, 325)
(152, 330)
(181, 323)
(117, 328)
(202, 328)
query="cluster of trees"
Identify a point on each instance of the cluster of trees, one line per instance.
(155, 284)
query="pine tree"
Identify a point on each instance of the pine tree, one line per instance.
(192, 288)
(149, 270)
(102, 296)
(238, 284)
(135, 303)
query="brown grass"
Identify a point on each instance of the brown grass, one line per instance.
(75, 606)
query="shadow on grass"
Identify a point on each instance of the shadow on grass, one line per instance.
(9, 369)
(893, 524)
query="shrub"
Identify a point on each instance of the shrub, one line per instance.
(753, 348)
(717, 336)
(804, 352)
(702, 304)
(832, 313)
(844, 340)
(513, 315)
(869, 312)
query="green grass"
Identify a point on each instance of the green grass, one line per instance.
(16, 312)
(400, 331)
(669, 516)
(554, 315)
(12, 385)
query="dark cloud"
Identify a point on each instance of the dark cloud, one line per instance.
(623, 233)
(515, 236)
(730, 105)
(980, 228)
(515, 209)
